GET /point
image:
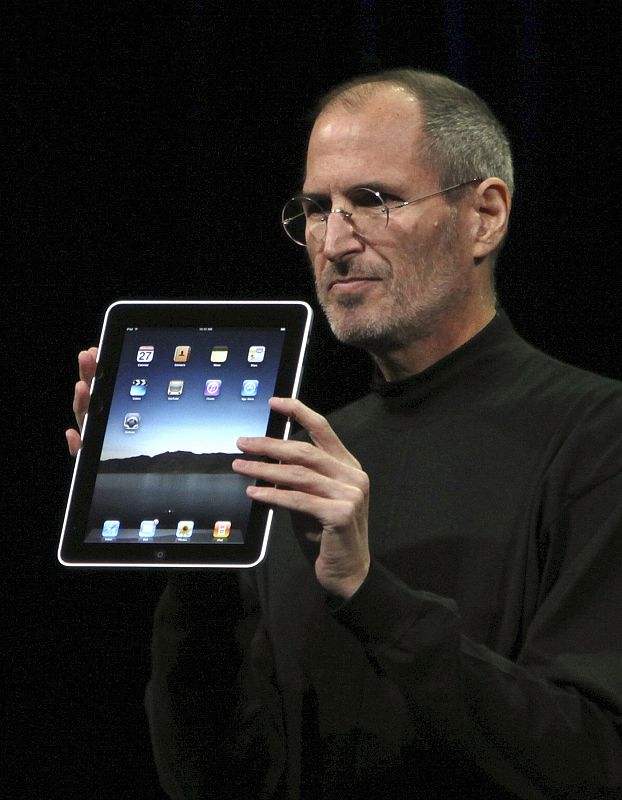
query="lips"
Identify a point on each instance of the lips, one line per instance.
(352, 281)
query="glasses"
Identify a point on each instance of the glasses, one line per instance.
(304, 218)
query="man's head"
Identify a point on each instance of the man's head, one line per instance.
(461, 136)
(407, 135)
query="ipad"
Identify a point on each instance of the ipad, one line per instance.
(176, 384)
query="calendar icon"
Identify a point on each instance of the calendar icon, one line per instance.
(145, 353)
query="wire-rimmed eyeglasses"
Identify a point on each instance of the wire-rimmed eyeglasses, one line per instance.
(303, 216)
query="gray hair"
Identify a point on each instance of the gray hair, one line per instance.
(462, 137)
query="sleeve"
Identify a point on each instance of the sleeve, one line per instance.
(547, 724)
(214, 714)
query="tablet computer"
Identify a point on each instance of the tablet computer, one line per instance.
(176, 383)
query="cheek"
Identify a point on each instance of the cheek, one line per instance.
(316, 262)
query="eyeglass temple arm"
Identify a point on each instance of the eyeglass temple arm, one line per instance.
(434, 194)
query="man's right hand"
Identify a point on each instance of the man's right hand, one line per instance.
(81, 396)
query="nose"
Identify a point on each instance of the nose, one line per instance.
(340, 238)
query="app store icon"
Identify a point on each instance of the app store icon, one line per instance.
(250, 388)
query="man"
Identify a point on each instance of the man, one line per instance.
(437, 615)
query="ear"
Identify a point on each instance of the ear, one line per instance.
(492, 201)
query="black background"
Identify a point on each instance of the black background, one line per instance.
(150, 147)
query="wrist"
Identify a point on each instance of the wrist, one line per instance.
(345, 587)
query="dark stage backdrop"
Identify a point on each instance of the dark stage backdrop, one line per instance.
(152, 146)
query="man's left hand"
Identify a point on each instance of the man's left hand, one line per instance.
(322, 480)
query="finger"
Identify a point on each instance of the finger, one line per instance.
(81, 397)
(320, 432)
(301, 453)
(331, 513)
(74, 442)
(299, 478)
(87, 364)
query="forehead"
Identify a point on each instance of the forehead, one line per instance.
(377, 140)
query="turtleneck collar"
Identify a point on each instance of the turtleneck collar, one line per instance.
(472, 355)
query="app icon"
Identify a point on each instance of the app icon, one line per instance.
(256, 354)
(138, 387)
(219, 354)
(110, 528)
(148, 528)
(184, 529)
(131, 421)
(212, 388)
(222, 530)
(250, 388)
(175, 388)
(145, 353)
(182, 354)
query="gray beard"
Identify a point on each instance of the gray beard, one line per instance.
(381, 336)
(370, 336)
(414, 320)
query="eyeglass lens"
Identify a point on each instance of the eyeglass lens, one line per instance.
(304, 218)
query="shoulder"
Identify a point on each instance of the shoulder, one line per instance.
(559, 390)
(573, 417)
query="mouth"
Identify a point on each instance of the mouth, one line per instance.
(352, 284)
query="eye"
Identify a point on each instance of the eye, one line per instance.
(391, 199)
(366, 198)
(312, 209)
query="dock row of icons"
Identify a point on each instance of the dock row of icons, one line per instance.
(212, 388)
(147, 529)
(219, 354)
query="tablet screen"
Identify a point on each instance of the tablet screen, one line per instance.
(156, 487)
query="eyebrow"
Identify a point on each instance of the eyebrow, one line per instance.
(374, 185)
(317, 196)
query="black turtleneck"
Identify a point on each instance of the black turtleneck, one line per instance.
(482, 656)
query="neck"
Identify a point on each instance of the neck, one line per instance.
(449, 334)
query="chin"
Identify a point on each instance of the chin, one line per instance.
(363, 331)
(348, 320)
(378, 329)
